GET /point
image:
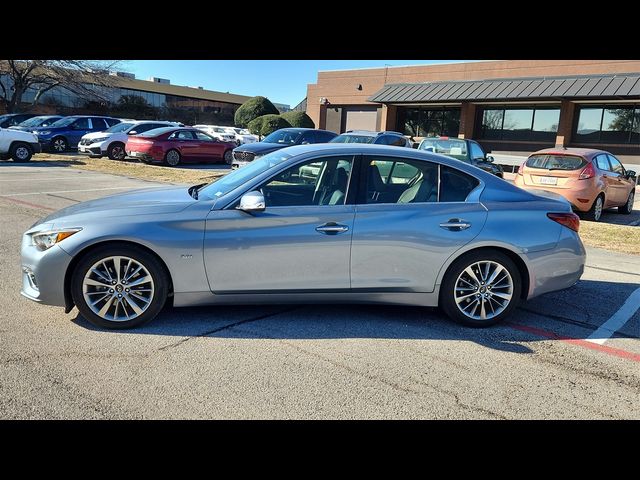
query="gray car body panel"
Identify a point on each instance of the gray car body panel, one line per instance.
(217, 254)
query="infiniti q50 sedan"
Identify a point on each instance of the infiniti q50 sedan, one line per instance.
(360, 224)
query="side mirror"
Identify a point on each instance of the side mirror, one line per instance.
(304, 142)
(631, 174)
(489, 159)
(252, 202)
(132, 132)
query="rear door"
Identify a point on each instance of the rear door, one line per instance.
(401, 239)
(185, 141)
(77, 129)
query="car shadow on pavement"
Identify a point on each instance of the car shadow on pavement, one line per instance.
(42, 163)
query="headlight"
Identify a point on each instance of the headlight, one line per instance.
(46, 240)
(99, 139)
(46, 132)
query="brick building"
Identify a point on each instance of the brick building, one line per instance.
(512, 106)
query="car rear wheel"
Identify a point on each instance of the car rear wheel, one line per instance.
(595, 212)
(119, 287)
(481, 288)
(116, 151)
(228, 157)
(172, 158)
(627, 208)
(21, 152)
(59, 145)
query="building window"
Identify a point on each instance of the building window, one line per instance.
(423, 122)
(519, 124)
(608, 124)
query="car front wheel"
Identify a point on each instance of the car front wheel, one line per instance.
(119, 287)
(116, 151)
(21, 152)
(481, 288)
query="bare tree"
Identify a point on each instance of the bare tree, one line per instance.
(81, 77)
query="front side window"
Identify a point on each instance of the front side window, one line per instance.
(321, 181)
(81, 123)
(308, 137)
(203, 137)
(616, 166)
(121, 127)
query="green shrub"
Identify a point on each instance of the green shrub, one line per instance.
(271, 123)
(298, 119)
(255, 125)
(253, 108)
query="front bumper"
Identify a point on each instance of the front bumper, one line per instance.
(93, 149)
(43, 273)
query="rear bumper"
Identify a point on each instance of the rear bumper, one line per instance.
(580, 200)
(559, 268)
(143, 156)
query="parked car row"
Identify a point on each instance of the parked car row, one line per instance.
(239, 136)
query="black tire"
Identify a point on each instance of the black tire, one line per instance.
(171, 159)
(448, 287)
(155, 268)
(21, 152)
(116, 151)
(59, 145)
(627, 208)
(595, 212)
(228, 157)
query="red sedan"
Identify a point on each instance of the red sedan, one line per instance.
(173, 146)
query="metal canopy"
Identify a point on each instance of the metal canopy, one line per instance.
(587, 86)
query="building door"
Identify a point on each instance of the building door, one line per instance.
(359, 118)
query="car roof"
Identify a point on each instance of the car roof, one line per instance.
(371, 133)
(582, 152)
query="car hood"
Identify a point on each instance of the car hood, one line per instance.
(37, 130)
(97, 134)
(261, 147)
(23, 135)
(147, 201)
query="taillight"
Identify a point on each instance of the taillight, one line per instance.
(588, 172)
(521, 168)
(569, 220)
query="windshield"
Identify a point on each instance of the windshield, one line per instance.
(119, 127)
(34, 122)
(452, 147)
(288, 137)
(239, 177)
(352, 139)
(63, 122)
(555, 162)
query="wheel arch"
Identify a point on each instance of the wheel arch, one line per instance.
(68, 299)
(523, 269)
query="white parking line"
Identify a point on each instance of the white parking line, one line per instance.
(72, 191)
(617, 320)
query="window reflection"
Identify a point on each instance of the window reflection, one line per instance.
(423, 122)
(610, 124)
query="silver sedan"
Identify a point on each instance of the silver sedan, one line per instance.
(312, 223)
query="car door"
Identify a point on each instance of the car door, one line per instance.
(185, 141)
(401, 239)
(77, 129)
(301, 241)
(608, 179)
(209, 148)
(621, 184)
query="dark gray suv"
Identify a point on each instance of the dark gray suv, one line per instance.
(378, 138)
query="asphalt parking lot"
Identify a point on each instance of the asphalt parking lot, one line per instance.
(570, 354)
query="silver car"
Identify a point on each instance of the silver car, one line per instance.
(366, 224)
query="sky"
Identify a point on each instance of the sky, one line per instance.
(282, 81)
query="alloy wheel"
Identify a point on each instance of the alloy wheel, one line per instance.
(173, 158)
(22, 153)
(483, 290)
(118, 288)
(59, 145)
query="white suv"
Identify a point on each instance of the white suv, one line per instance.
(111, 141)
(218, 132)
(243, 136)
(18, 145)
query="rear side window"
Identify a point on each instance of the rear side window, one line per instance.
(455, 186)
(556, 162)
(394, 140)
(98, 123)
(112, 121)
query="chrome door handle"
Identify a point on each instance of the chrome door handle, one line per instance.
(332, 228)
(455, 224)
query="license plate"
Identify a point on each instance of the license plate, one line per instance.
(548, 180)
